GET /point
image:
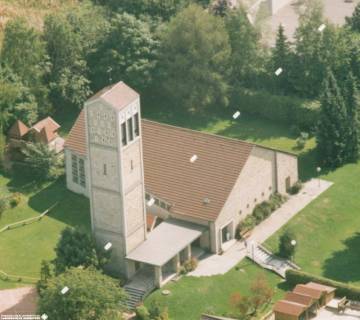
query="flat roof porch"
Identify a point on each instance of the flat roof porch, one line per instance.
(166, 248)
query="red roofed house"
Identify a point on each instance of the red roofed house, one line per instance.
(44, 131)
(200, 184)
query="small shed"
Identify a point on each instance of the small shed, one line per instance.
(310, 303)
(288, 310)
(328, 292)
(316, 294)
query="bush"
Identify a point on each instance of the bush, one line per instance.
(190, 265)
(15, 199)
(301, 140)
(245, 225)
(294, 277)
(286, 248)
(142, 313)
(260, 212)
(295, 188)
(292, 110)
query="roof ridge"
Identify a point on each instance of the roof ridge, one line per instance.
(197, 132)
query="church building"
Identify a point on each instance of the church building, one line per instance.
(199, 186)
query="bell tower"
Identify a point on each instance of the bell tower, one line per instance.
(117, 195)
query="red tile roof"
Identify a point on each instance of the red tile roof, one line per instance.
(48, 122)
(18, 130)
(171, 176)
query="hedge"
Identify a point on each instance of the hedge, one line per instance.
(298, 112)
(294, 277)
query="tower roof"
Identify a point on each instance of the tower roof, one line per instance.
(18, 130)
(118, 95)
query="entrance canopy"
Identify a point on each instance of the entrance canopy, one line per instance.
(165, 242)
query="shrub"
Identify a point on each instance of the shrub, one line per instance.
(286, 248)
(245, 225)
(295, 188)
(190, 264)
(292, 110)
(294, 277)
(142, 313)
(15, 199)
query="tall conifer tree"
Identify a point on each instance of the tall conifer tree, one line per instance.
(333, 131)
(352, 106)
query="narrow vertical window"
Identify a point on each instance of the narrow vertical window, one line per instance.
(130, 129)
(123, 134)
(74, 166)
(105, 170)
(132, 165)
(82, 172)
(136, 124)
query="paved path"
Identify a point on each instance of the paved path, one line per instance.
(334, 10)
(219, 264)
(18, 301)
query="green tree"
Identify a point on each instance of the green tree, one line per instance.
(127, 53)
(220, 8)
(309, 67)
(23, 51)
(16, 100)
(163, 9)
(333, 130)
(282, 57)
(45, 275)
(246, 59)
(41, 161)
(351, 96)
(77, 248)
(354, 21)
(194, 60)
(287, 247)
(71, 37)
(91, 296)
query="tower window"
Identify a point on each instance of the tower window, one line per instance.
(136, 124)
(123, 134)
(75, 170)
(130, 129)
(105, 170)
(132, 165)
(82, 172)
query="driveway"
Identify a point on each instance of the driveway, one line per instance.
(20, 301)
(219, 264)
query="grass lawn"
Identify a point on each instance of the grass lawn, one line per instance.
(328, 229)
(192, 296)
(22, 249)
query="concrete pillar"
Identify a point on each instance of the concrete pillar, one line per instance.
(176, 261)
(130, 268)
(188, 252)
(158, 276)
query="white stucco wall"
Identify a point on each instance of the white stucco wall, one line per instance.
(265, 172)
(287, 167)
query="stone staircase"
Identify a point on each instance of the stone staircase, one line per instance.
(268, 260)
(139, 287)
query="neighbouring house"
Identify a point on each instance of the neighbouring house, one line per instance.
(44, 131)
(198, 185)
